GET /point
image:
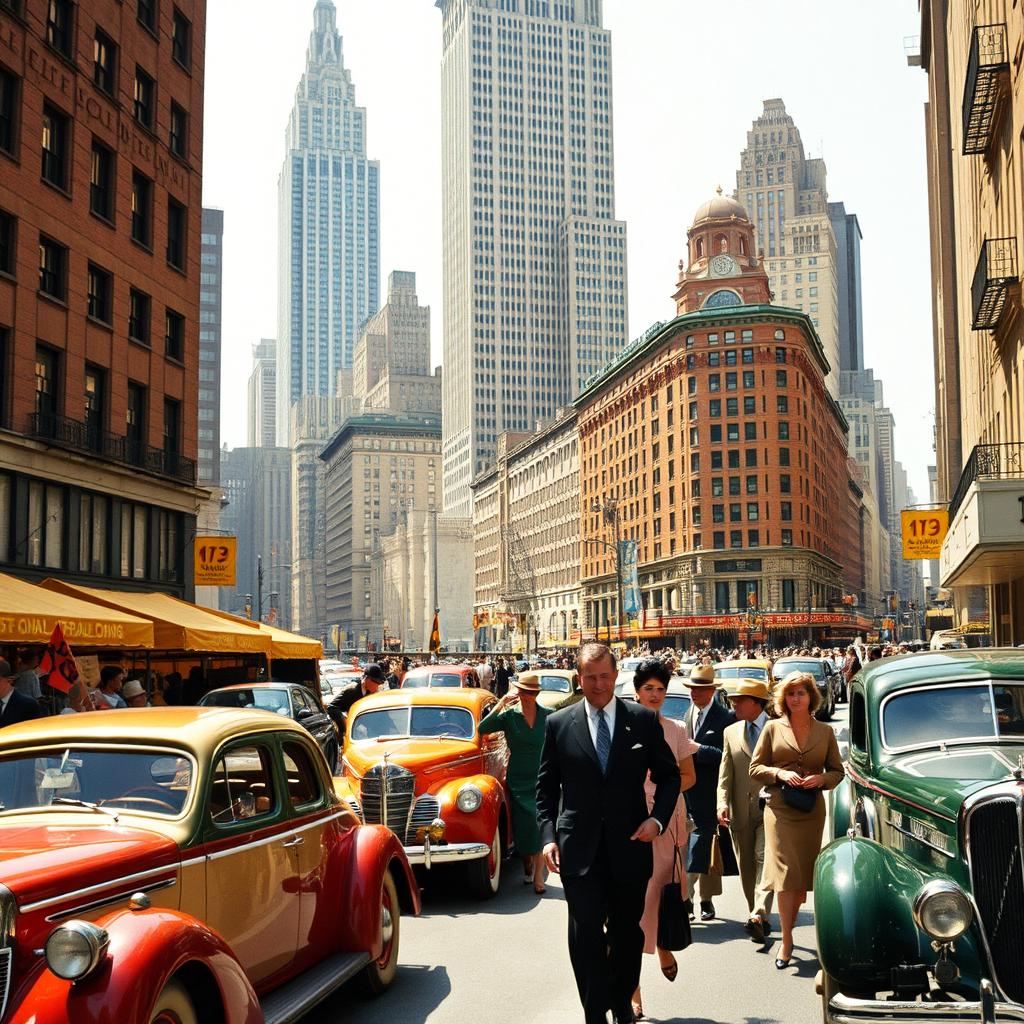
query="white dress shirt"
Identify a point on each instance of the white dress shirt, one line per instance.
(592, 713)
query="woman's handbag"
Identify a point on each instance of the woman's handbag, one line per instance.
(799, 799)
(673, 918)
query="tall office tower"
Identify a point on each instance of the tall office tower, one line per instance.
(210, 286)
(534, 260)
(261, 427)
(850, 312)
(785, 195)
(328, 232)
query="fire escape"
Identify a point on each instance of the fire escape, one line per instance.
(519, 584)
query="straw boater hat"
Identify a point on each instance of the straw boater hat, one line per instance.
(701, 675)
(755, 688)
(528, 682)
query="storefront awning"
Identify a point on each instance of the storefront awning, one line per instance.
(282, 643)
(28, 614)
(177, 625)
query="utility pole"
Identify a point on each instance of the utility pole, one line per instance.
(259, 588)
(609, 509)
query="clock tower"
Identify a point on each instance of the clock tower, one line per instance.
(722, 269)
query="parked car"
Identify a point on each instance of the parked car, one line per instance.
(743, 668)
(290, 700)
(918, 900)
(559, 687)
(336, 682)
(414, 761)
(440, 675)
(826, 678)
(677, 697)
(184, 864)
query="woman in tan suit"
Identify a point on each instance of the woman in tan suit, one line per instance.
(794, 750)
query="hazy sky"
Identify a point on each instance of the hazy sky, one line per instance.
(689, 78)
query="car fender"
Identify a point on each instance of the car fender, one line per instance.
(842, 808)
(375, 851)
(479, 825)
(147, 948)
(863, 915)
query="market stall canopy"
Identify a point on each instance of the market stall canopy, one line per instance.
(282, 643)
(29, 612)
(177, 625)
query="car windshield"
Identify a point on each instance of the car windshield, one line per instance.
(417, 720)
(948, 714)
(741, 672)
(676, 705)
(151, 781)
(629, 664)
(814, 667)
(557, 684)
(261, 699)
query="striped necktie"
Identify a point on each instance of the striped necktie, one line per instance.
(604, 740)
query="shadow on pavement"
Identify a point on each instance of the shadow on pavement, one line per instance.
(417, 991)
(444, 894)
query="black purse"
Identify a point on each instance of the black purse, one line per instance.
(673, 920)
(799, 799)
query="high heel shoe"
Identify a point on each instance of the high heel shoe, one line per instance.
(672, 970)
(781, 963)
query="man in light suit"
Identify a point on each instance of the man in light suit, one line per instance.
(738, 803)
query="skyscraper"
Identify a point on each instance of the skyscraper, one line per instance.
(328, 230)
(210, 287)
(261, 411)
(534, 260)
(850, 312)
(784, 192)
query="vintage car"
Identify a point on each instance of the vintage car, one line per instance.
(185, 864)
(677, 697)
(919, 900)
(559, 687)
(440, 676)
(414, 760)
(290, 700)
(826, 678)
(727, 672)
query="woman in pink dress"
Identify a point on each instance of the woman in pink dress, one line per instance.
(651, 682)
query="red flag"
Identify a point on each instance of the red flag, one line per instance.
(57, 666)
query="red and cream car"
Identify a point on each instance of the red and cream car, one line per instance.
(183, 865)
(414, 761)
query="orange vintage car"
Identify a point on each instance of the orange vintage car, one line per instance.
(185, 864)
(413, 760)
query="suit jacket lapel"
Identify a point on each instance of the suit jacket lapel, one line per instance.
(581, 730)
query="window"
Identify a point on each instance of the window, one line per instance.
(695, 462)
(145, 98)
(716, 433)
(175, 234)
(735, 538)
(783, 456)
(693, 410)
(730, 357)
(714, 407)
(8, 241)
(781, 379)
(58, 25)
(732, 407)
(780, 355)
(172, 426)
(55, 147)
(135, 420)
(181, 39)
(241, 786)
(101, 182)
(787, 538)
(730, 382)
(95, 405)
(8, 110)
(146, 13)
(783, 430)
(716, 487)
(780, 335)
(750, 459)
(786, 511)
(718, 538)
(788, 593)
(714, 358)
(781, 403)
(716, 460)
(785, 486)
(732, 431)
(753, 538)
(46, 399)
(749, 405)
(734, 459)
(752, 484)
(734, 485)
(718, 513)
(104, 63)
(174, 335)
(735, 515)
(178, 141)
(691, 385)
(142, 208)
(138, 316)
(92, 534)
(52, 268)
(748, 378)
(749, 431)
(303, 780)
(100, 293)
(748, 355)
(752, 511)
(714, 382)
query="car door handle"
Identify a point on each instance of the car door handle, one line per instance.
(296, 841)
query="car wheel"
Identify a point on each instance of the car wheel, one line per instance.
(173, 1006)
(380, 973)
(485, 872)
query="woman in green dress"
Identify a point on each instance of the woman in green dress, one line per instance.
(521, 719)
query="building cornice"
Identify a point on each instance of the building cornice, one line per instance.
(383, 425)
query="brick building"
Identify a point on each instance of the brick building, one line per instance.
(101, 119)
(713, 444)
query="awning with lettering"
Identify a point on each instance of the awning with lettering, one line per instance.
(29, 612)
(177, 625)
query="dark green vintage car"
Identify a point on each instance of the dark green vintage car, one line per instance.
(919, 898)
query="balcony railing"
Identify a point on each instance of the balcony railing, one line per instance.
(989, 462)
(996, 271)
(987, 61)
(88, 438)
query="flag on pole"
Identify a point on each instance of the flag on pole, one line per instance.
(57, 666)
(435, 635)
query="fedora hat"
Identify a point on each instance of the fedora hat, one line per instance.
(701, 675)
(755, 688)
(528, 682)
(133, 688)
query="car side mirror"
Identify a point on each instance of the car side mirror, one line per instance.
(303, 713)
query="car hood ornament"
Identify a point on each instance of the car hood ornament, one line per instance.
(1018, 772)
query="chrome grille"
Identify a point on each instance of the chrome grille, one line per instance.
(424, 811)
(5, 978)
(995, 838)
(401, 785)
(354, 805)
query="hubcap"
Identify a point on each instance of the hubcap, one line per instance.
(387, 925)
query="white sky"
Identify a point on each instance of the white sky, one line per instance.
(689, 78)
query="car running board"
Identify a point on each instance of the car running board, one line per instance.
(289, 1002)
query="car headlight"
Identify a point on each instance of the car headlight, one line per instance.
(943, 911)
(469, 799)
(74, 949)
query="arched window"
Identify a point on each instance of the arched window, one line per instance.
(699, 248)
(743, 246)
(723, 297)
(723, 243)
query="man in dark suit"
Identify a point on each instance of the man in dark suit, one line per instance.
(597, 831)
(373, 679)
(705, 721)
(14, 706)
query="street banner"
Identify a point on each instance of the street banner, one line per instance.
(216, 560)
(57, 666)
(631, 603)
(435, 635)
(924, 530)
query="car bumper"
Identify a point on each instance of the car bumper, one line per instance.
(430, 854)
(844, 1010)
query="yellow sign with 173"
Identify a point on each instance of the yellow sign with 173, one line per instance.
(923, 532)
(216, 559)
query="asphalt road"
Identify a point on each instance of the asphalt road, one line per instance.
(505, 961)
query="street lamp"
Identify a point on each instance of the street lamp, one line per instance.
(609, 509)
